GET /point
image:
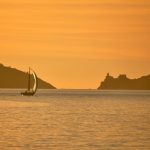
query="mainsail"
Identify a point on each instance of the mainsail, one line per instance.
(32, 91)
(35, 82)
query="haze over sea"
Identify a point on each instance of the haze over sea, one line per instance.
(75, 120)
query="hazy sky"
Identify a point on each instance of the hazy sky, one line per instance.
(74, 43)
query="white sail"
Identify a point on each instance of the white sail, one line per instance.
(35, 81)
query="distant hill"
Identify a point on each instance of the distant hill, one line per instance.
(13, 78)
(124, 83)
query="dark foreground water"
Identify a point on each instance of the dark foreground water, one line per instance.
(75, 120)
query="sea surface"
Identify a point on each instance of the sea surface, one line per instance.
(75, 120)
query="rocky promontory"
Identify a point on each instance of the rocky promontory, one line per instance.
(122, 82)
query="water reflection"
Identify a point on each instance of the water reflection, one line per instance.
(75, 120)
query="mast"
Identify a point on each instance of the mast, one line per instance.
(29, 80)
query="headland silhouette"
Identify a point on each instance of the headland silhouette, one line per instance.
(13, 78)
(122, 82)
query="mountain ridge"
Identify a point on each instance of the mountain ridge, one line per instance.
(14, 78)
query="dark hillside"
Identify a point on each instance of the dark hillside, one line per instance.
(13, 78)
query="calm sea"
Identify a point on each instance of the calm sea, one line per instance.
(75, 120)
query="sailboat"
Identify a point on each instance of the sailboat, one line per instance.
(31, 91)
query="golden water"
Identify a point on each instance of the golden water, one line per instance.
(75, 120)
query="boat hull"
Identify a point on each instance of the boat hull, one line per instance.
(28, 93)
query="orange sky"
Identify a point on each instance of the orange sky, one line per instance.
(74, 43)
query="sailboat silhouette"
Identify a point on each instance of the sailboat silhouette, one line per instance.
(31, 91)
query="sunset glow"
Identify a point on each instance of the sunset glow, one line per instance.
(74, 43)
